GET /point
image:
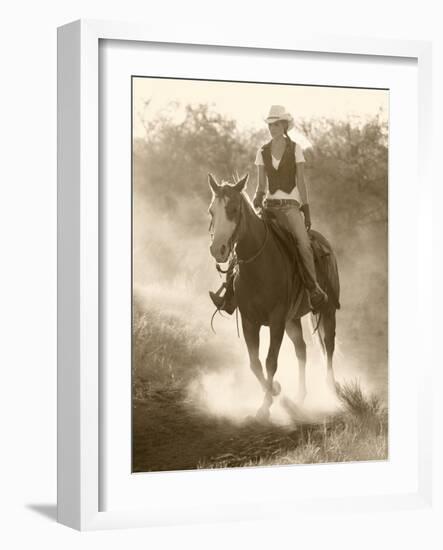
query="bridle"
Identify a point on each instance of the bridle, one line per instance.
(233, 239)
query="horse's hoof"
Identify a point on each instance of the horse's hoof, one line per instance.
(276, 388)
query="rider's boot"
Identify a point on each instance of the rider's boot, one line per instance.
(216, 296)
(226, 302)
(318, 298)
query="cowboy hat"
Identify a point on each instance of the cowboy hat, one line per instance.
(278, 112)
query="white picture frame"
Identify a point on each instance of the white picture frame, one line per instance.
(79, 367)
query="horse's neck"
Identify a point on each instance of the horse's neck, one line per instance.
(252, 232)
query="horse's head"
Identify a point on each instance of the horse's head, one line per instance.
(225, 212)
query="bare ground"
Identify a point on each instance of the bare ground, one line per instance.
(171, 432)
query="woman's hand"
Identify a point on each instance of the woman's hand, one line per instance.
(307, 215)
(260, 191)
(257, 201)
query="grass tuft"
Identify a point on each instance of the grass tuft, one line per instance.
(365, 411)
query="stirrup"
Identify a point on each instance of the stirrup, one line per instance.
(221, 303)
(216, 298)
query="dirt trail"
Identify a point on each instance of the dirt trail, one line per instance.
(170, 432)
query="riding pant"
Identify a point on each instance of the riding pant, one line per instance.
(290, 217)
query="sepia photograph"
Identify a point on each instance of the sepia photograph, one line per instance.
(259, 274)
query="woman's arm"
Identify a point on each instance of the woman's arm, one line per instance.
(261, 179)
(302, 189)
(261, 186)
(301, 184)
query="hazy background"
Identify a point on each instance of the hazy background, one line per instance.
(185, 129)
(37, 360)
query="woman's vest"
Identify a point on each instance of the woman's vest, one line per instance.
(284, 177)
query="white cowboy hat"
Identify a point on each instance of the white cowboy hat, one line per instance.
(278, 112)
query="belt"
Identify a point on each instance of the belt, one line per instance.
(280, 202)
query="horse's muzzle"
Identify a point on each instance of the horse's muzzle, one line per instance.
(220, 253)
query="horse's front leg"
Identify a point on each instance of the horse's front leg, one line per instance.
(251, 332)
(277, 330)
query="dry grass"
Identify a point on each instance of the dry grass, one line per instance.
(359, 432)
(169, 352)
(166, 351)
(170, 349)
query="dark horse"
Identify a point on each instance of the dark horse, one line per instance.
(268, 286)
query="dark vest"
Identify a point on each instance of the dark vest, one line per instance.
(284, 177)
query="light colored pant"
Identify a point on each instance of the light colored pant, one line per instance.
(291, 217)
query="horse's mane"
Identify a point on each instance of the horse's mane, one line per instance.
(248, 202)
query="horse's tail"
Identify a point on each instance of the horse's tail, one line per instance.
(327, 268)
(329, 280)
(333, 281)
(317, 330)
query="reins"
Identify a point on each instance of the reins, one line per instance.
(259, 251)
(233, 239)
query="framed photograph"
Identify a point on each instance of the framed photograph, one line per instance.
(241, 260)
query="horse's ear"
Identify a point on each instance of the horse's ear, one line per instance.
(212, 183)
(240, 185)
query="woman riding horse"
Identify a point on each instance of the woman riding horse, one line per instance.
(281, 190)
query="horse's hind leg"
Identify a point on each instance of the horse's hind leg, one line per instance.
(328, 322)
(251, 332)
(295, 332)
